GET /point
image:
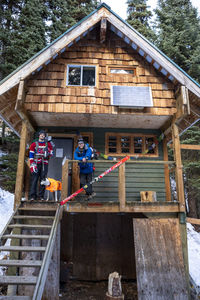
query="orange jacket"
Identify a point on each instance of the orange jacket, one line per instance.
(55, 185)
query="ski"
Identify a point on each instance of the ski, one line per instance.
(123, 160)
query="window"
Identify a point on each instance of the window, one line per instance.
(78, 75)
(132, 144)
(122, 70)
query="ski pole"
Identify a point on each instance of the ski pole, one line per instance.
(123, 160)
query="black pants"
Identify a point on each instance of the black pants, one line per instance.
(86, 178)
(40, 175)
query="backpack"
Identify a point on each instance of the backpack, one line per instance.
(94, 153)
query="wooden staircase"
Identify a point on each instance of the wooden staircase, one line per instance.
(32, 230)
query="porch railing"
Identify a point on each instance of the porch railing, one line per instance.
(121, 175)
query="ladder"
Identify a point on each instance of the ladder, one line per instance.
(31, 223)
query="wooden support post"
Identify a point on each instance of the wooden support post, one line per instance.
(178, 168)
(64, 192)
(20, 166)
(166, 169)
(122, 187)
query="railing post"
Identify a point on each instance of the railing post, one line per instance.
(64, 192)
(178, 167)
(122, 187)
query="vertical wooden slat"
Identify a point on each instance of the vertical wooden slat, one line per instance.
(20, 166)
(178, 167)
(64, 192)
(166, 169)
(122, 187)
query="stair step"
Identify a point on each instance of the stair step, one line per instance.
(24, 236)
(15, 298)
(20, 263)
(29, 226)
(33, 217)
(25, 280)
(22, 248)
(38, 208)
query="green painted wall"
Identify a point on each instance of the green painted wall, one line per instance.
(139, 177)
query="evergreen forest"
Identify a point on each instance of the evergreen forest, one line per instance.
(27, 26)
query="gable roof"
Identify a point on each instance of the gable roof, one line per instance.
(134, 39)
(138, 42)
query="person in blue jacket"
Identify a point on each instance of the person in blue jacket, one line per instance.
(83, 153)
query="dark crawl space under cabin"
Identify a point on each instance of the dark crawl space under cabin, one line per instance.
(104, 81)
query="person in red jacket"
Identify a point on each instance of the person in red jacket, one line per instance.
(39, 154)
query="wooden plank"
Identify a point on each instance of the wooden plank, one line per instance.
(166, 171)
(29, 226)
(25, 236)
(122, 187)
(21, 263)
(15, 298)
(18, 280)
(178, 167)
(32, 208)
(20, 166)
(193, 221)
(159, 260)
(33, 217)
(21, 248)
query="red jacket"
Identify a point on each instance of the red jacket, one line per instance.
(40, 151)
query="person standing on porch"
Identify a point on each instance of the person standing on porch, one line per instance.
(83, 153)
(39, 154)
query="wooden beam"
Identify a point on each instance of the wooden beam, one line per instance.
(187, 147)
(190, 147)
(182, 103)
(193, 221)
(114, 207)
(178, 168)
(122, 187)
(19, 107)
(65, 167)
(103, 29)
(20, 166)
(166, 170)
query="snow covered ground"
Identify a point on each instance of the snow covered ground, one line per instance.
(6, 210)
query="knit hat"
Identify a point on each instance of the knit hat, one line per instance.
(81, 141)
(42, 131)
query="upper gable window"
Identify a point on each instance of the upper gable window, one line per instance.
(78, 75)
(122, 71)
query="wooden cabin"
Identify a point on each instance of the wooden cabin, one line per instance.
(103, 80)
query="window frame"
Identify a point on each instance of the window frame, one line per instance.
(81, 77)
(131, 136)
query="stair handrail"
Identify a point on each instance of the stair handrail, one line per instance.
(39, 288)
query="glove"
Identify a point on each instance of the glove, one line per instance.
(33, 168)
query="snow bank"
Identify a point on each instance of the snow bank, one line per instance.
(6, 210)
(194, 254)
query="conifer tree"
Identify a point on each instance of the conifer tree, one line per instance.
(9, 14)
(139, 18)
(30, 33)
(64, 14)
(178, 30)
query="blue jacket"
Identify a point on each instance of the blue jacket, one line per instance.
(85, 168)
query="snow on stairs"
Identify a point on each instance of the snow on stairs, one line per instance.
(30, 224)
